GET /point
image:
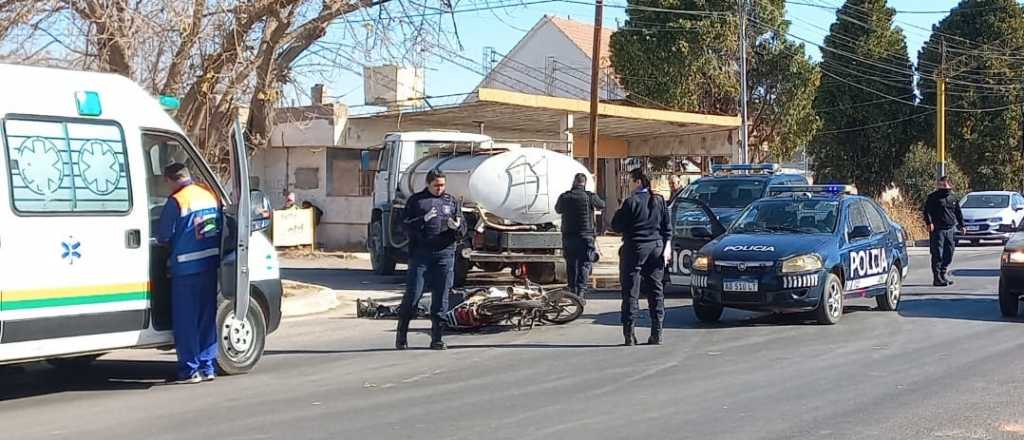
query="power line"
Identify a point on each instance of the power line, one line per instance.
(876, 125)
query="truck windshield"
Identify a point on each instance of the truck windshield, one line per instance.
(793, 216)
(986, 201)
(726, 193)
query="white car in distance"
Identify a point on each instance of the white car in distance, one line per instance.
(991, 215)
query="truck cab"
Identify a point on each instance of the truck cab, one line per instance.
(81, 192)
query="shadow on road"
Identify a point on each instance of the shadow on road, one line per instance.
(683, 318)
(970, 309)
(991, 273)
(30, 380)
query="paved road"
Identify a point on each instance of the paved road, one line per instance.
(946, 366)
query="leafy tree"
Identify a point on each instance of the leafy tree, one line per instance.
(916, 177)
(983, 67)
(689, 63)
(864, 58)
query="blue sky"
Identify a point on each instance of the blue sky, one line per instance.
(450, 71)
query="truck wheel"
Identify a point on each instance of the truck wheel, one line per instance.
(382, 263)
(1009, 302)
(241, 343)
(490, 266)
(546, 273)
(462, 267)
(893, 288)
(707, 313)
(830, 306)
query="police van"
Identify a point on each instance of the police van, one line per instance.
(729, 189)
(81, 192)
(805, 248)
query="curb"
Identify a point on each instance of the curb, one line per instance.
(309, 304)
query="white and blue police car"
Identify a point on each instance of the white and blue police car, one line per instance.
(804, 248)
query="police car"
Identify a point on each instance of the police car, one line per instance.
(729, 189)
(805, 248)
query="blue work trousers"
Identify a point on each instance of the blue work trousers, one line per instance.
(641, 266)
(194, 317)
(428, 269)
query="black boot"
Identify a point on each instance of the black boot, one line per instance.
(655, 338)
(437, 335)
(629, 335)
(937, 280)
(946, 280)
(401, 334)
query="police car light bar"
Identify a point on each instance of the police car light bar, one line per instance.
(817, 189)
(745, 168)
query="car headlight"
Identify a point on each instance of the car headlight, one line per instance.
(702, 263)
(1013, 257)
(995, 220)
(803, 263)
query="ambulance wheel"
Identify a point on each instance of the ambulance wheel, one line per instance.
(241, 343)
(73, 363)
(830, 307)
(893, 288)
(381, 262)
(1009, 302)
(707, 313)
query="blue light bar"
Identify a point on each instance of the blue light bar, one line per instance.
(815, 189)
(745, 168)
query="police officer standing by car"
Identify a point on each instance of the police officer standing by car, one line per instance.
(644, 224)
(944, 219)
(190, 225)
(434, 225)
(577, 207)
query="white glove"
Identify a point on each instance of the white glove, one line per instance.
(454, 222)
(430, 215)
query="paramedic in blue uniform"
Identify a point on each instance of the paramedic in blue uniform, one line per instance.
(434, 225)
(190, 226)
(644, 224)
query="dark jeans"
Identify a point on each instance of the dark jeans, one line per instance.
(428, 269)
(579, 257)
(641, 266)
(942, 244)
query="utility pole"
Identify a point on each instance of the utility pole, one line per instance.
(595, 67)
(940, 109)
(744, 136)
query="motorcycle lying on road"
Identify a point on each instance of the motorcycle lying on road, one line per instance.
(522, 305)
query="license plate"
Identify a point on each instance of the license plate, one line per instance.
(974, 228)
(740, 286)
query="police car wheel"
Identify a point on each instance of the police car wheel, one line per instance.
(830, 307)
(890, 301)
(1009, 302)
(241, 343)
(707, 313)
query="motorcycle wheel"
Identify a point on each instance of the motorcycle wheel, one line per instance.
(566, 308)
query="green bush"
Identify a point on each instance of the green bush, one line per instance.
(916, 178)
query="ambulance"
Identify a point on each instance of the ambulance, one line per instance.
(81, 192)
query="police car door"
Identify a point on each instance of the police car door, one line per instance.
(688, 214)
(865, 254)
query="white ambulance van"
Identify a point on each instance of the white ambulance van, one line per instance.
(81, 191)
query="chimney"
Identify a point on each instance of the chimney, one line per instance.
(319, 93)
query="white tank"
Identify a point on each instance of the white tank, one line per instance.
(520, 185)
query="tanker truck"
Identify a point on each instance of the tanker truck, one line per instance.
(507, 192)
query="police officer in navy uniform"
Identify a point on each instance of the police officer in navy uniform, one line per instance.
(643, 221)
(577, 208)
(190, 225)
(434, 224)
(944, 218)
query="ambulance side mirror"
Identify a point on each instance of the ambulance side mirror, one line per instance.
(262, 212)
(860, 232)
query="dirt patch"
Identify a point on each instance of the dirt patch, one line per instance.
(304, 253)
(292, 288)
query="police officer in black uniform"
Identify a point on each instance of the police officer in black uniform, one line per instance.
(434, 225)
(944, 218)
(643, 221)
(577, 207)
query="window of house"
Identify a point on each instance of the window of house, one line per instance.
(66, 166)
(350, 173)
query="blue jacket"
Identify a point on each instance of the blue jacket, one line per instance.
(433, 234)
(643, 218)
(191, 225)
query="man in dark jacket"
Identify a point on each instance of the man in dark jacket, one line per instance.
(434, 224)
(643, 222)
(944, 219)
(577, 207)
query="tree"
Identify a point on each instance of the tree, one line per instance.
(864, 57)
(983, 71)
(916, 177)
(688, 62)
(224, 59)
